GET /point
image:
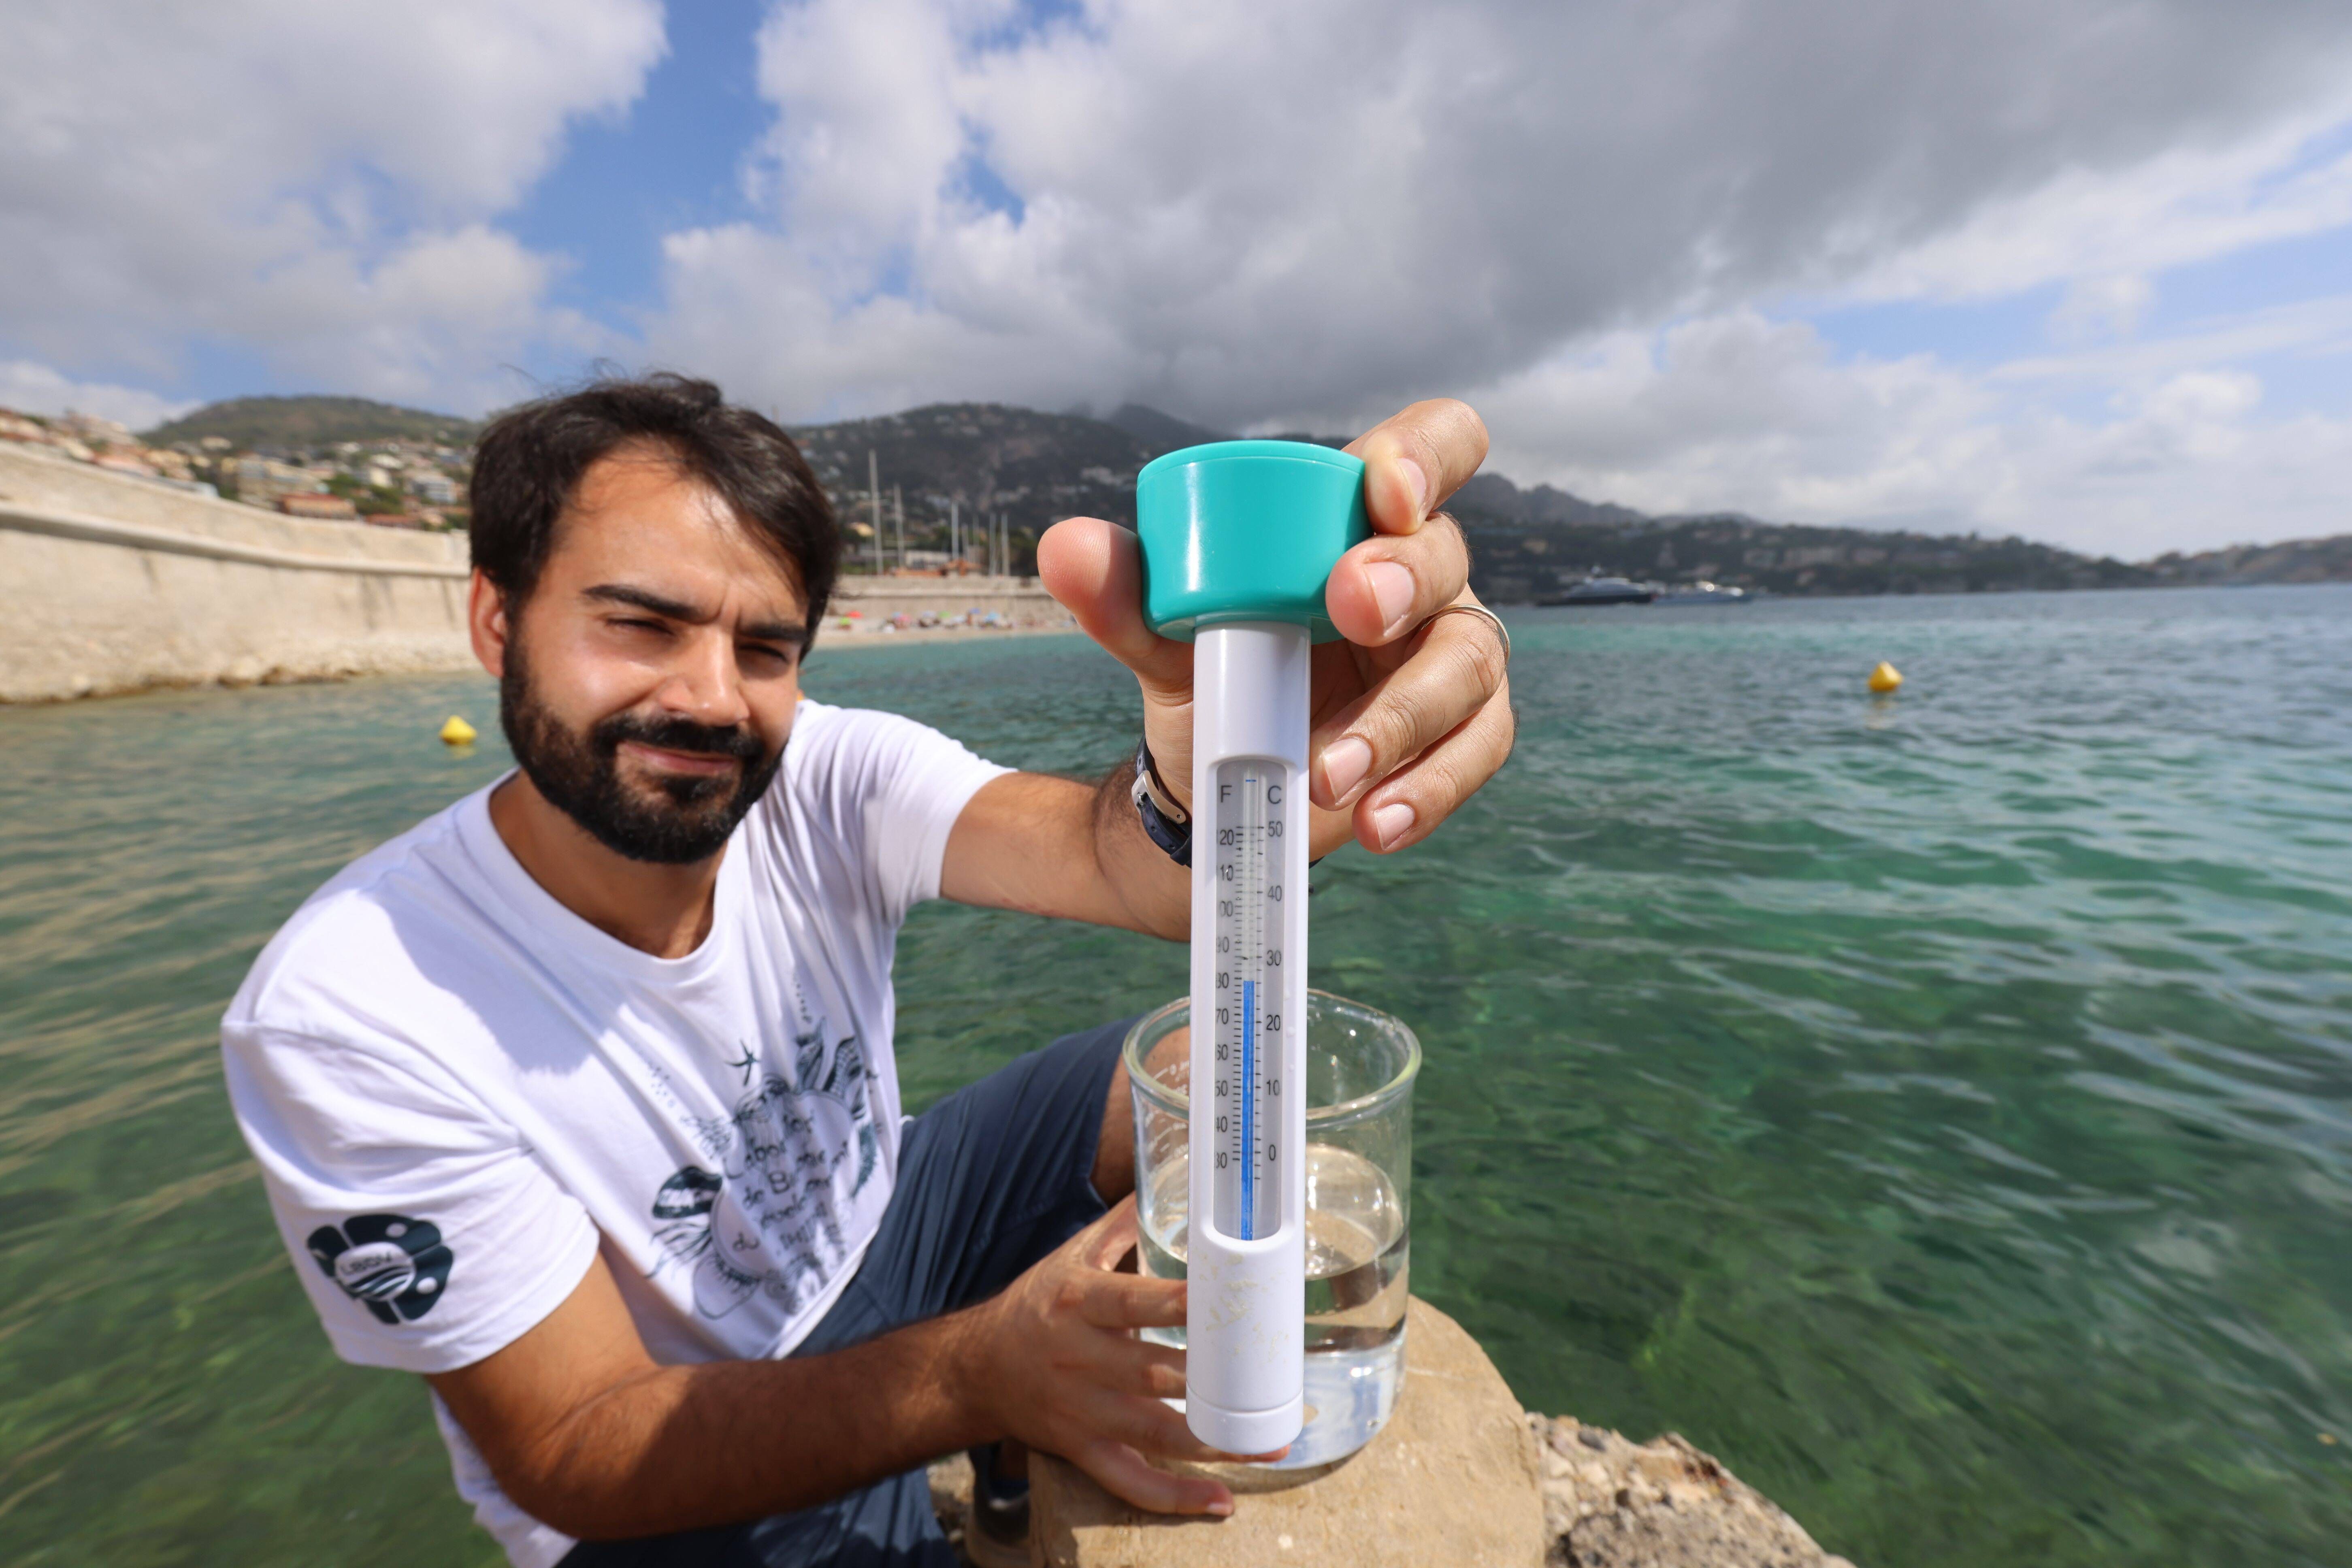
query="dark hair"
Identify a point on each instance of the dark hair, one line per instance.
(531, 459)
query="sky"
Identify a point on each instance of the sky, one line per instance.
(2081, 271)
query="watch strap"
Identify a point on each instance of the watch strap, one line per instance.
(1165, 823)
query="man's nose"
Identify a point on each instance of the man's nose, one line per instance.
(706, 684)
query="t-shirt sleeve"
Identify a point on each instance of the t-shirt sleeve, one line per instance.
(902, 785)
(424, 1231)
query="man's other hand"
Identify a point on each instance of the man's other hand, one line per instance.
(1058, 1366)
(1410, 715)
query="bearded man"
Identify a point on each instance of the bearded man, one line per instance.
(579, 1098)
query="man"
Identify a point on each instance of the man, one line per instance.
(579, 1097)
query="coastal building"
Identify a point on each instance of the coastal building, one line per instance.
(263, 481)
(317, 505)
(96, 431)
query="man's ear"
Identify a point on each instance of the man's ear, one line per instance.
(486, 624)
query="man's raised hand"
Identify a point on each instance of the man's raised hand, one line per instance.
(1410, 715)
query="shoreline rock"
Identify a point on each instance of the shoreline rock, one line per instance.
(1461, 1475)
(1610, 1503)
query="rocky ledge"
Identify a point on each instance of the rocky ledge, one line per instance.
(1459, 1476)
(1609, 1503)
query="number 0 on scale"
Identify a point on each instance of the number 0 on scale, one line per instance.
(1248, 816)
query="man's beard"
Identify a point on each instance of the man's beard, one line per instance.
(682, 819)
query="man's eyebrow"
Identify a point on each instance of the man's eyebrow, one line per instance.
(790, 632)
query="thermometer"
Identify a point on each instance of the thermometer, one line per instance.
(1237, 539)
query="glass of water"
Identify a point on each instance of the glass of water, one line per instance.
(1360, 1065)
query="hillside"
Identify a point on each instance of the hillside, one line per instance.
(1526, 544)
(299, 424)
(2326, 559)
(1529, 545)
(1032, 468)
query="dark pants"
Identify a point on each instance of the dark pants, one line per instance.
(989, 1179)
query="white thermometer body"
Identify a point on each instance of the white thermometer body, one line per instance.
(1246, 1263)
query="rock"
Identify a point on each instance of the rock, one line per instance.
(950, 1481)
(1452, 1480)
(1611, 1503)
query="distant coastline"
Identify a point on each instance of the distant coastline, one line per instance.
(324, 537)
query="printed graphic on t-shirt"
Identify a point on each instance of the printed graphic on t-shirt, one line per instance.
(394, 1265)
(771, 1218)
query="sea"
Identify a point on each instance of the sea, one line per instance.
(1936, 1106)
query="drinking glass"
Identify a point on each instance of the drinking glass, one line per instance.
(1361, 1064)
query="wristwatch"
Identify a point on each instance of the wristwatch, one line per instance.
(1165, 823)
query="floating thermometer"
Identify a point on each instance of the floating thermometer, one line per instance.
(1237, 541)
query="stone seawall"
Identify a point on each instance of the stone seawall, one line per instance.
(115, 584)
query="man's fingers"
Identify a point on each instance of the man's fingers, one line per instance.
(1123, 1473)
(1109, 1300)
(1414, 459)
(1406, 807)
(1150, 1426)
(1386, 586)
(1132, 1301)
(1102, 1243)
(1454, 668)
(1094, 570)
(1139, 1366)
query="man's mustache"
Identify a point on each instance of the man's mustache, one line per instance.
(674, 735)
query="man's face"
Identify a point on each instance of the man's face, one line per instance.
(648, 684)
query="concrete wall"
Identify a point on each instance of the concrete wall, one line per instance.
(108, 584)
(1018, 599)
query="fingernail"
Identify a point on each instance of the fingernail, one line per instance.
(1346, 761)
(1392, 822)
(1420, 482)
(1221, 1508)
(1392, 594)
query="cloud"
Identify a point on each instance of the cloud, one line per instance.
(1739, 411)
(307, 184)
(1309, 215)
(2094, 308)
(1257, 214)
(1605, 224)
(2183, 204)
(32, 388)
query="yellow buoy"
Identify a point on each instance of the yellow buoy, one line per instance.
(1886, 678)
(458, 732)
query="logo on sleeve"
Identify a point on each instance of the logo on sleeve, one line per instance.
(394, 1265)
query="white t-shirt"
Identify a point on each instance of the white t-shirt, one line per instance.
(458, 1089)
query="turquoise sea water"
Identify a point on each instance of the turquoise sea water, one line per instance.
(1938, 1107)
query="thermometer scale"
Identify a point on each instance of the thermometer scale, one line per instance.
(1238, 539)
(1250, 871)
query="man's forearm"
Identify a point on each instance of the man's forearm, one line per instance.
(683, 1447)
(1157, 891)
(1065, 847)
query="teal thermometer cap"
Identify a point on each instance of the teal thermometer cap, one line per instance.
(1245, 530)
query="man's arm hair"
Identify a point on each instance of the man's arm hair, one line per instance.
(586, 1433)
(1063, 846)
